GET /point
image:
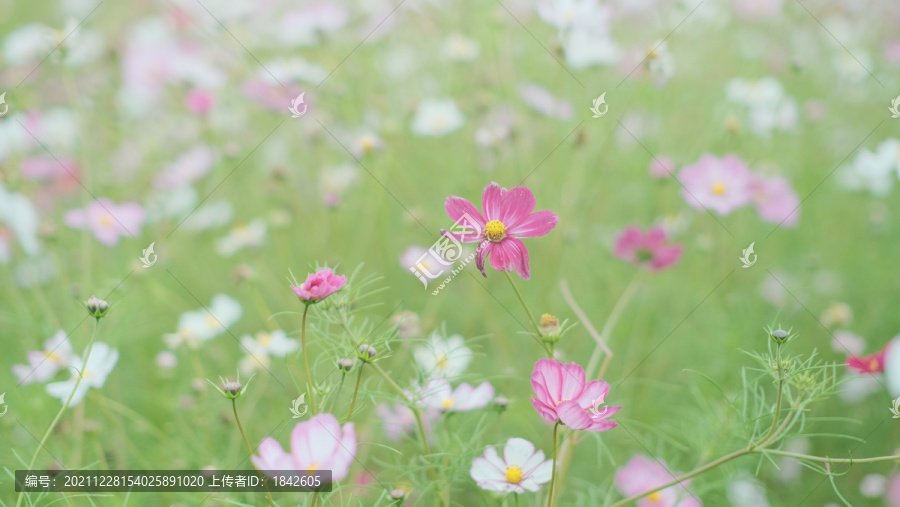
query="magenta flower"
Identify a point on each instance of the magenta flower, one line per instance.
(563, 396)
(648, 249)
(317, 444)
(641, 474)
(107, 220)
(319, 285)
(718, 184)
(775, 200)
(508, 215)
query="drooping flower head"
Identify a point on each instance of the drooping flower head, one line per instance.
(317, 444)
(641, 474)
(507, 215)
(649, 249)
(319, 285)
(521, 469)
(563, 395)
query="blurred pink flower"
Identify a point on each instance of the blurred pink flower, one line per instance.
(317, 444)
(521, 469)
(319, 285)
(642, 474)
(891, 50)
(273, 96)
(106, 220)
(757, 9)
(648, 249)
(719, 184)
(662, 167)
(199, 101)
(563, 396)
(544, 102)
(508, 215)
(893, 491)
(398, 420)
(775, 200)
(873, 363)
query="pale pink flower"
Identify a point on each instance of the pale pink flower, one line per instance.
(775, 200)
(662, 167)
(757, 9)
(44, 364)
(319, 285)
(317, 444)
(521, 469)
(719, 184)
(508, 215)
(106, 220)
(438, 394)
(398, 420)
(893, 491)
(648, 249)
(847, 342)
(564, 396)
(892, 366)
(541, 100)
(199, 101)
(642, 474)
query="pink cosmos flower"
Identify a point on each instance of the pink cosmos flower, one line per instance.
(317, 444)
(199, 101)
(893, 490)
(719, 184)
(521, 469)
(319, 285)
(873, 363)
(642, 474)
(107, 220)
(398, 420)
(563, 396)
(508, 215)
(648, 249)
(775, 200)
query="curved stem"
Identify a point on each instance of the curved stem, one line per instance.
(355, 391)
(247, 443)
(553, 474)
(826, 459)
(309, 384)
(87, 355)
(537, 328)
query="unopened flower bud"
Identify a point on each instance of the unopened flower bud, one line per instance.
(500, 403)
(232, 388)
(549, 325)
(398, 494)
(97, 307)
(345, 364)
(366, 352)
(779, 336)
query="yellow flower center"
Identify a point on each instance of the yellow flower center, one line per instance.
(513, 475)
(85, 374)
(53, 357)
(873, 365)
(211, 321)
(368, 144)
(447, 402)
(719, 188)
(313, 467)
(106, 220)
(264, 339)
(495, 230)
(562, 400)
(441, 360)
(654, 497)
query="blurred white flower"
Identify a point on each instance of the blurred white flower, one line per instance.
(202, 325)
(303, 27)
(37, 270)
(459, 48)
(166, 360)
(19, 214)
(436, 117)
(848, 343)
(745, 491)
(209, 216)
(189, 167)
(541, 100)
(568, 14)
(856, 387)
(292, 70)
(873, 171)
(242, 236)
(438, 394)
(335, 181)
(99, 365)
(765, 103)
(264, 343)
(585, 48)
(175, 203)
(43, 364)
(440, 358)
(496, 128)
(29, 43)
(873, 485)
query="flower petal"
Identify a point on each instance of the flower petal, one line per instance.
(516, 206)
(535, 224)
(517, 451)
(517, 256)
(481, 254)
(464, 214)
(490, 201)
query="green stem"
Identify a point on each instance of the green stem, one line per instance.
(780, 389)
(247, 443)
(87, 355)
(537, 328)
(603, 338)
(338, 393)
(826, 459)
(553, 474)
(355, 391)
(309, 384)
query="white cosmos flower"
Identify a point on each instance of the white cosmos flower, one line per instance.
(521, 469)
(201, 325)
(19, 214)
(436, 117)
(873, 171)
(892, 367)
(102, 361)
(275, 344)
(767, 106)
(252, 234)
(43, 364)
(440, 358)
(438, 394)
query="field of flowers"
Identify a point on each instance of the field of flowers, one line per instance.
(502, 253)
